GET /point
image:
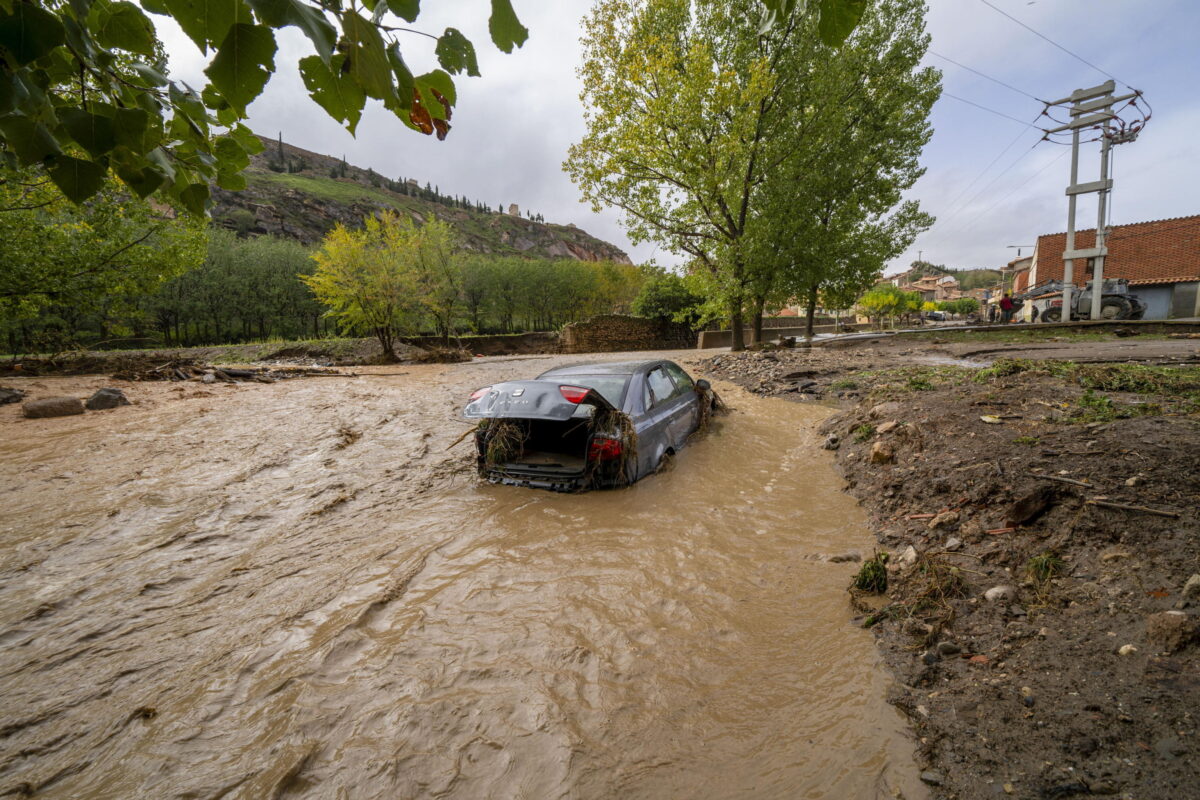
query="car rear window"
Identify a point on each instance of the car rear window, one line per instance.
(610, 387)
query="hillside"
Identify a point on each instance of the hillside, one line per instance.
(292, 192)
(967, 278)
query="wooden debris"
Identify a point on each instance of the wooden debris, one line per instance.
(187, 371)
(1096, 501)
(1061, 479)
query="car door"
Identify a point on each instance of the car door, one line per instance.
(687, 409)
(671, 405)
(658, 397)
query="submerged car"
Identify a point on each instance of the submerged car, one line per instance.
(588, 425)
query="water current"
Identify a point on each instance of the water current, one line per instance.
(303, 590)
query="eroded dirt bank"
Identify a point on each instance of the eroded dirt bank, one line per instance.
(1043, 530)
(294, 589)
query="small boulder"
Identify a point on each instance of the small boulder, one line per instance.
(882, 453)
(10, 395)
(1191, 589)
(1170, 630)
(909, 556)
(889, 409)
(888, 427)
(832, 442)
(943, 519)
(952, 544)
(848, 556)
(1126, 650)
(52, 407)
(106, 398)
(932, 778)
(1000, 594)
(948, 649)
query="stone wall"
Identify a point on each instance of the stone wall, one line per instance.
(614, 333)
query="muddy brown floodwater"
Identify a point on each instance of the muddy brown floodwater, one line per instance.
(296, 590)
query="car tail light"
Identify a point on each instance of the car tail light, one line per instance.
(602, 449)
(478, 393)
(573, 394)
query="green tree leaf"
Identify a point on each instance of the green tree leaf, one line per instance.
(124, 26)
(243, 64)
(93, 132)
(341, 97)
(77, 178)
(456, 53)
(839, 19)
(505, 28)
(195, 197)
(368, 62)
(280, 13)
(407, 9)
(28, 33)
(143, 181)
(31, 140)
(206, 22)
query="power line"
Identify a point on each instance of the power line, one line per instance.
(988, 77)
(1051, 41)
(1019, 186)
(990, 110)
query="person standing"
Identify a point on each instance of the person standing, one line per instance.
(1006, 308)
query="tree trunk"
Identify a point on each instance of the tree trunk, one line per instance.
(386, 341)
(756, 330)
(810, 312)
(735, 326)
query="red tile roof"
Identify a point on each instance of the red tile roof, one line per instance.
(1160, 251)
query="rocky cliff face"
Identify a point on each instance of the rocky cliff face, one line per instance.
(301, 194)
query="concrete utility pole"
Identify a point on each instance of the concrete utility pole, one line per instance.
(1089, 108)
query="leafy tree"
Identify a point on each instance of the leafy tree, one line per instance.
(887, 300)
(438, 272)
(832, 214)
(366, 279)
(85, 96)
(928, 306)
(99, 257)
(666, 296)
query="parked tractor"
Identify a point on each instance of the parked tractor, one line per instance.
(1115, 303)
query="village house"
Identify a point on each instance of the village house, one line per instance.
(1159, 258)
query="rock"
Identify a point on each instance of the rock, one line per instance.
(1191, 589)
(1113, 554)
(1170, 630)
(888, 427)
(943, 519)
(1000, 594)
(952, 544)
(106, 398)
(948, 649)
(10, 396)
(832, 442)
(932, 778)
(1027, 696)
(909, 556)
(849, 555)
(1136, 480)
(1169, 747)
(1032, 505)
(882, 453)
(930, 657)
(208, 377)
(1126, 650)
(889, 409)
(52, 407)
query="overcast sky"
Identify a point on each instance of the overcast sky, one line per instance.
(512, 126)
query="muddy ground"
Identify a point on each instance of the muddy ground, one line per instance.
(1044, 642)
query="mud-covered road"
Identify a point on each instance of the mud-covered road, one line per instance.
(296, 589)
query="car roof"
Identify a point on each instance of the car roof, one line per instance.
(601, 368)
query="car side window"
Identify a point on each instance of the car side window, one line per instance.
(683, 384)
(661, 386)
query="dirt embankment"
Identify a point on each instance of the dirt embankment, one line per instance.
(1042, 524)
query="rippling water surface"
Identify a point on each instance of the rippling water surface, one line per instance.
(297, 590)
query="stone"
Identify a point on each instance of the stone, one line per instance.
(1027, 696)
(952, 544)
(1000, 594)
(849, 555)
(1169, 747)
(10, 395)
(106, 398)
(208, 377)
(888, 427)
(882, 453)
(943, 519)
(909, 556)
(1136, 480)
(888, 409)
(52, 407)
(1170, 630)
(948, 649)
(930, 657)
(932, 778)
(1114, 554)
(1191, 589)
(1126, 650)
(832, 442)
